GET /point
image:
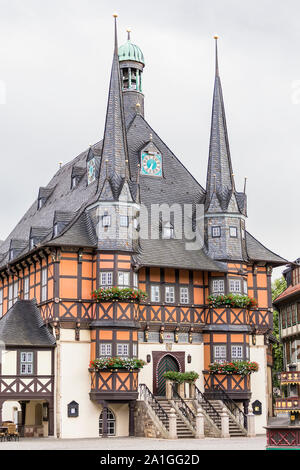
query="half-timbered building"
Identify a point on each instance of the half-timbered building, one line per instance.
(75, 239)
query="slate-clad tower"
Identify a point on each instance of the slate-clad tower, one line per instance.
(84, 233)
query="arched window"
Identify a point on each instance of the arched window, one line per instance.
(111, 423)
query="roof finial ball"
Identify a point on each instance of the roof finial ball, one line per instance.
(128, 33)
(115, 15)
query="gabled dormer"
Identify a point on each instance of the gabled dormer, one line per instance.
(151, 160)
(16, 247)
(92, 166)
(60, 221)
(77, 174)
(44, 194)
(37, 234)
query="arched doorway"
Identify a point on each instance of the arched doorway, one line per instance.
(111, 423)
(166, 364)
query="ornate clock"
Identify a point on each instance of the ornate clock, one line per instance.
(151, 163)
(91, 170)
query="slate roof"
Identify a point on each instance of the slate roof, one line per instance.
(23, 326)
(258, 252)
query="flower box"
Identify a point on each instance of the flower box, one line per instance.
(232, 301)
(114, 294)
(233, 368)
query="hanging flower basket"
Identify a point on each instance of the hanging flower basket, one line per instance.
(233, 368)
(114, 294)
(232, 301)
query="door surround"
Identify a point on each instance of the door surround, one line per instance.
(157, 356)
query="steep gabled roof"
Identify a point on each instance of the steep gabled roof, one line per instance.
(258, 252)
(23, 326)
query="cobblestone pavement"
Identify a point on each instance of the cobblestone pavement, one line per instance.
(242, 443)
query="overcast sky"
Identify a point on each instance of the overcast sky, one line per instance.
(55, 59)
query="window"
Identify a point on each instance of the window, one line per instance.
(122, 349)
(44, 284)
(124, 221)
(31, 243)
(123, 278)
(135, 280)
(245, 286)
(74, 182)
(184, 295)
(236, 353)
(111, 423)
(243, 233)
(218, 286)
(40, 203)
(233, 232)
(12, 294)
(170, 294)
(106, 221)
(55, 230)
(220, 353)
(105, 349)
(216, 232)
(134, 349)
(26, 366)
(155, 294)
(106, 279)
(1, 301)
(168, 231)
(26, 288)
(235, 286)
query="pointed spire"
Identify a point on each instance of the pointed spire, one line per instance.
(128, 33)
(114, 142)
(219, 173)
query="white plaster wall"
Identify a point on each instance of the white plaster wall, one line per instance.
(259, 383)
(44, 363)
(195, 350)
(8, 410)
(9, 362)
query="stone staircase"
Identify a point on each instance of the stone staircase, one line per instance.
(234, 429)
(183, 431)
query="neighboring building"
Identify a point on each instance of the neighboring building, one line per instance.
(74, 239)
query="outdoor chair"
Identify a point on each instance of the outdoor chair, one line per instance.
(12, 432)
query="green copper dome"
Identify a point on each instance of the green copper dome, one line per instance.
(130, 51)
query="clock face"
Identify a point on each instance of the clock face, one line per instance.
(91, 171)
(151, 164)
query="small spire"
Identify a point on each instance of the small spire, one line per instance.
(115, 15)
(128, 33)
(216, 37)
(245, 184)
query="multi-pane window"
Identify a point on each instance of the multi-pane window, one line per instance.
(111, 423)
(1, 302)
(170, 294)
(106, 221)
(135, 279)
(12, 294)
(235, 286)
(44, 284)
(105, 349)
(220, 353)
(184, 295)
(245, 286)
(155, 294)
(123, 278)
(216, 232)
(168, 231)
(134, 349)
(123, 349)
(233, 232)
(218, 286)
(26, 366)
(236, 352)
(26, 288)
(296, 276)
(124, 221)
(294, 314)
(106, 279)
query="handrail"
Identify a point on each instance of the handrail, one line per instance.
(200, 399)
(183, 407)
(232, 406)
(157, 408)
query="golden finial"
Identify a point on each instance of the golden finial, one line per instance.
(216, 36)
(115, 15)
(60, 164)
(128, 33)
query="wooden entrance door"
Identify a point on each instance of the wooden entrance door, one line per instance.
(166, 364)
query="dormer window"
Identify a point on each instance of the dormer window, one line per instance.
(31, 243)
(168, 231)
(11, 254)
(55, 230)
(74, 182)
(40, 203)
(106, 221)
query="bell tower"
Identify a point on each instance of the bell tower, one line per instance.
(132, 65)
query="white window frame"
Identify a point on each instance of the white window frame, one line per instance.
(106, 220)
(233, 232)
(245, 286)
(235, 286)
(26, 363)
(123, 349)
(184, 295)
(105, 349)
(26, 288)
(218, 286)
(220, 353)
(123, 278)
(216, 231)
(135, 280)
(237, 352)
(155, 293)
(170, 294)
(106, 278)
(134, 349)
(44, 283)
(124, 221)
